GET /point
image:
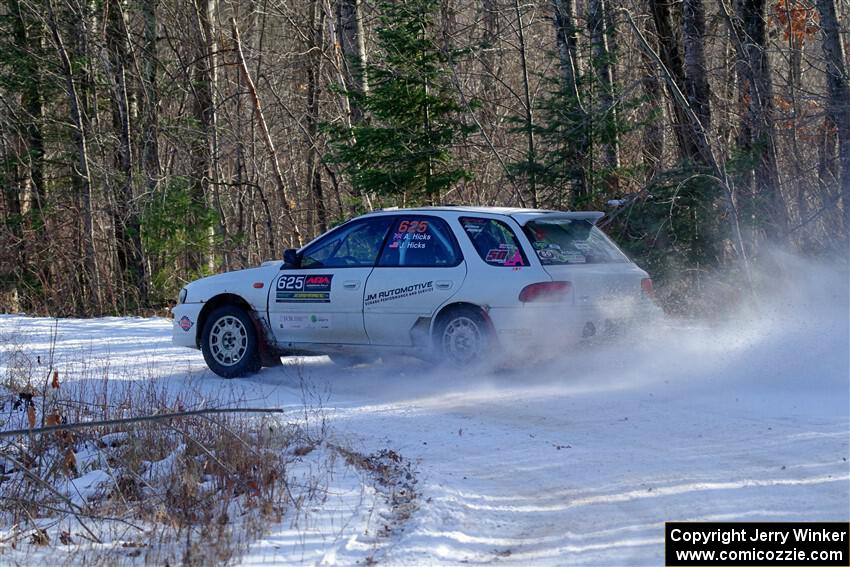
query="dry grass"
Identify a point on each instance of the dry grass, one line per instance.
(194, 490)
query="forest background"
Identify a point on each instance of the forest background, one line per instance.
(146, 143)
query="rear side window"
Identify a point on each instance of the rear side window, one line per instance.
(494, 241)
(571, 241)
(420, 242)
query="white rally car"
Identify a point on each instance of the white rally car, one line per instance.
(460, 284)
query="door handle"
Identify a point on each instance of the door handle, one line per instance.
(443, 284)
(351, 284)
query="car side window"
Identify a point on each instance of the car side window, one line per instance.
(354, 245)
(494, 241)
(420, 241)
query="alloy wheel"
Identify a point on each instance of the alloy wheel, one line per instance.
(228, 340)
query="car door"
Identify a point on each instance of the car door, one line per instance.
(321, 301)
(419, 269)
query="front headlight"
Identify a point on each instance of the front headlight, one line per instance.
(182, 297)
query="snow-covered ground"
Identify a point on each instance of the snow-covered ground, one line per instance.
(578, 461)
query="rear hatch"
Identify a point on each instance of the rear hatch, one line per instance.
(571, 248)
(601, 286)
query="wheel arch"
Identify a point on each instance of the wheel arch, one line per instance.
(225, 299)
(450, 308)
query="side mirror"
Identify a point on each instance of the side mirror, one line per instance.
(291, 258)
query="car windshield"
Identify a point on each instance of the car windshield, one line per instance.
(571, 241)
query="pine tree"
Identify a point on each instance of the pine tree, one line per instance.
(412, 118)
(577, 134)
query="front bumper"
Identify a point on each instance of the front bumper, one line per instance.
(185, 330)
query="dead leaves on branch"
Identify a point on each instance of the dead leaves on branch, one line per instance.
(798, 19)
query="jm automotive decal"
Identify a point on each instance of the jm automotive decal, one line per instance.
(304, 289)
(399, 292)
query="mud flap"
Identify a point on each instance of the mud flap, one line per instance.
(269, 356)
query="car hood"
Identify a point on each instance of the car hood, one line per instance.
(239, 282)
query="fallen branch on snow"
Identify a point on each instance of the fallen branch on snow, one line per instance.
(157, 417)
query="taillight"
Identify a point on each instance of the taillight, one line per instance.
(646, 286)
(545, 291)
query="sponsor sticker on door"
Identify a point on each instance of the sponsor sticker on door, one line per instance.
(314, 288)
(299, 321)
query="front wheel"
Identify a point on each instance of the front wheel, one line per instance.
(229, 342)
(463, 338)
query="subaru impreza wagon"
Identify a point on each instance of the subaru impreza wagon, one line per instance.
(462, 285)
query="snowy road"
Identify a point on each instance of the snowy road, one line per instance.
(576, 462)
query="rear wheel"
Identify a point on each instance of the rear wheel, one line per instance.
(463, 337)
(229, 342)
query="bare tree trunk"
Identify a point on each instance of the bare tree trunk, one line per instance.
(567, 39)
(314, 73)
(757, 137)
(838, 82)
(671, 57)
(828, 174)
(728, 86)
(205, 151)
(350, 30)
(28, 198)
(150, 92)
(652, 150)
(448, 24)
(26, 38)
(566, 34)
(14, 181)
(351, 45)
(696, 74)
(799, 186)
(150, 115)
(261, 120)
(125, 216)
(597, 21)
(531, 158)
(82, 172)
(489, 40)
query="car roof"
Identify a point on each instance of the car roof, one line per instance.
(522, 215)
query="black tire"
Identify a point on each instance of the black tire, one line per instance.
(463, 337)
(229, 342)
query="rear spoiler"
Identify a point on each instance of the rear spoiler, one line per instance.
(591, 216)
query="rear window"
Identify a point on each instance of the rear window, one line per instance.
(571, 241)
(494, 241)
